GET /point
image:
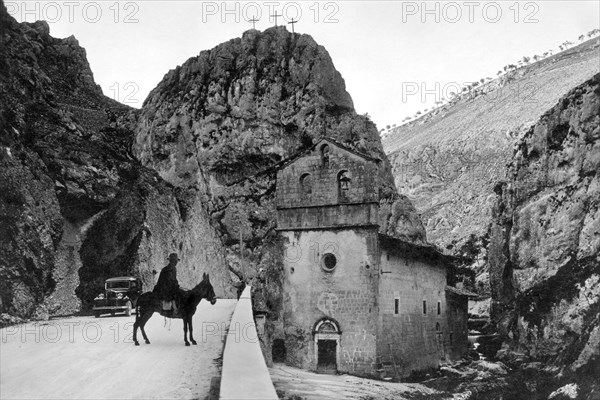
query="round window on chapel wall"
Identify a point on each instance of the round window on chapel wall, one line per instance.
(328, 262)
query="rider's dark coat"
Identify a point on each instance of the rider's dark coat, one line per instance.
(167, 287)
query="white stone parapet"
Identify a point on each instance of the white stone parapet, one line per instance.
(244, 374)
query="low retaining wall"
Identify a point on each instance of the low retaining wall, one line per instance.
(244, 374)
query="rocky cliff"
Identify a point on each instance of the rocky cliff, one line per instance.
(223, 121)
(75, 206)
(448, 161)
(93, 189)
(220, 121)
(544, 250)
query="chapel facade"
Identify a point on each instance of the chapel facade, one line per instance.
(357, 301)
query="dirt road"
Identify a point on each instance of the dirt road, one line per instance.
(89, 358)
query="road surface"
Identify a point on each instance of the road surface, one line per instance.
(94, 358)
(307, 385)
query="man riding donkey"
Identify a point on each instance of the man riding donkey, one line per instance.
(167, 286)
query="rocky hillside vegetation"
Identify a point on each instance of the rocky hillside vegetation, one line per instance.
(75, 206)
(448, 161)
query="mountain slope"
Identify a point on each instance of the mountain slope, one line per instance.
(448, 161)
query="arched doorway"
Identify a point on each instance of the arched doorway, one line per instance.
(327, 346)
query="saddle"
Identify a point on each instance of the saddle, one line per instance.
(168, 305)
(170, 309)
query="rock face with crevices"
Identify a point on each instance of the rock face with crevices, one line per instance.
(220, 121)
(75, 206)
(544, 250)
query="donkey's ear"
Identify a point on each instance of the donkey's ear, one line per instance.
(207, 277)
(204, 276)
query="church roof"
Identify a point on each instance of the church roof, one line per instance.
(426, 251)
(461, 292)
(347, 148)
(300, 154)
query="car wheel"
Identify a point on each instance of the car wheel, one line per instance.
(128, 309)
(97, 314)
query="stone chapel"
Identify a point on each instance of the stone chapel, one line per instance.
(357, 301)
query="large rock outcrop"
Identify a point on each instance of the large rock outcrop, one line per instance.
(75, 206)
(223, 122)
(544, 250)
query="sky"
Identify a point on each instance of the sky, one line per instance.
(396, 57)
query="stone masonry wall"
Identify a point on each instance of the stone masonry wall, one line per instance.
(329, 216)
(346, 295)
(409, 339)
(323, 178)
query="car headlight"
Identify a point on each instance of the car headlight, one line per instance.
(119, 296)
(99, 297)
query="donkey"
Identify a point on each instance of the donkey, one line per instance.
(149, 303)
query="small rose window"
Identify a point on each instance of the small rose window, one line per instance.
(328, 262)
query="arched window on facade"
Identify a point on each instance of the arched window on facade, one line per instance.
(344, 181)
(325, 155)
(305, 184)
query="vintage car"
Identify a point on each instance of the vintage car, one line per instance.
(120, 295)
